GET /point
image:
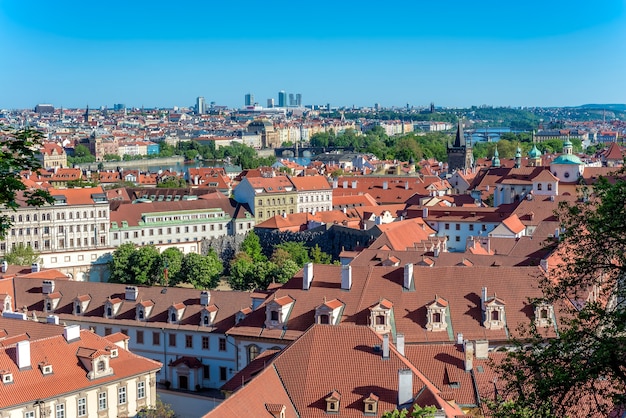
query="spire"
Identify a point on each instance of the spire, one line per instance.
(495, 161)
(459, 141)
(518, 157)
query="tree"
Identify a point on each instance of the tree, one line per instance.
(81, 151)
(242, 272)
(203, 272)
(143, 265)
(159, 410)
(587, 362)
(170, 259)
(251, 245)
(18, 152)
(22, 255)
(298, 252)
(119, 266)
(318, 256)
(418, 412)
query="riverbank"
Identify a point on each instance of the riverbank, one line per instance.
(134, 164)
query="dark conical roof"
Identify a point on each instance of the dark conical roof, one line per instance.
(459, 141)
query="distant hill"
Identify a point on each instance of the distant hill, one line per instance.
(616, 107)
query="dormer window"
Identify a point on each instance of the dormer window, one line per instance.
(277, 311)
(173, 317)
(46, 369)
(494, 313)
(140, 314)
(332, 402)
(143, 309)
(380, 316)
(81, 303)
(329, 312)
(436, 314)
(175, 313)
(6, 377)
(544, 314)
(52, 301)
(101, 366)
(111, 307)
(208, 315)
(370, 405)
(109, 311)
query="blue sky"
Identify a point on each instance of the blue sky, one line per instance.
(452, 53)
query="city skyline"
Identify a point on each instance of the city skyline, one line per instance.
(456, 55)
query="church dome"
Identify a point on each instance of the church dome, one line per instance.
(567, 159)
(534, 152)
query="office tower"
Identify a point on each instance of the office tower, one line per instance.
(377, 106)
(292, 99)
(119, 106)
(270, 103)
(249, 99)
(282, 99)
(299, 99)
(200, 105)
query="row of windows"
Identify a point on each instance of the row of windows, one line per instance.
(275, 201)
(172, 339)
(81, 403)
(458, 227)
(184, 217)
(305, 199)
(59, 216)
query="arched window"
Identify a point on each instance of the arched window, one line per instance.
(48, 306)
(109, 311)
(206, 319)
(78, 308)
(140, 313)
(253, 352)
(173, 317)
(549, 186)
(539, 186)
(544, 314)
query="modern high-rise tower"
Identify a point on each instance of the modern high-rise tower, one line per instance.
(299, 99)
(249, 99)
(270, 103)
(282, 99)
(200, 105)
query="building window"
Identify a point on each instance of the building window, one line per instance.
(380, 319)
(457, 238)
(101, 366)
(324, 319)
(274, 315)
(471, 227)
(188, 341)
(121, 395)
(222, 344)
(156, 338)
(108, 331)
(141, 390)
(458, 227)
(549, 186)
(223, 373)
(205, 343)
(139, 337)
(102, 401)
(446, 226)
(253, 352)
(206, 371)
(60, 410)
(539, 186)
(495, 315)
(82, 407)
(29, 414)
(172, 340)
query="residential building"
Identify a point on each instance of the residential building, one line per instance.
(182, 328)
(314, 193)
(267, 196)
(52, 155)
(49, 370)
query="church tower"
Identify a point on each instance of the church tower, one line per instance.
(460, 154)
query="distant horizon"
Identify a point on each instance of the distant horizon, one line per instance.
(457, 55)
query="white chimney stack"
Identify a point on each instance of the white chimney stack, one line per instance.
(385, 185)
(308, 276)
(131, 293)
(400, 343)
(205, 298)
(544, 265)
(335, 183)
(47, 287)
(22, 351)
(408, 276)
(34, 268)
(345, 184)
(71, 333)
(405, 386)
(386, 347)
(5, 266)
(459, 338)
(346, 277)
(52, 319)
(469, 356)
(482, 349)
(424, 213)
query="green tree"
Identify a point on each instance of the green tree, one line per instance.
(172, 183)
(587, 362)
(318, 256)
(81, 150)
(112, 157)
(22, 255)
(241, 275)
(170, 259)
(18, 152)
(119, 266)
(143, 265)
(203, 272)
(251, 245)
(280, 273)
(297, 250)
(418, 412)
(159, 410)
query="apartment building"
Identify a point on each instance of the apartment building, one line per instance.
(54, 371)
(267, 196)
(314, 194)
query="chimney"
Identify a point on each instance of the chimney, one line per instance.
(335, 183)
(482, 349)
(34, 268)
(556, 233)
(205, 297)
(308, 276)
(5, 266)
(400, 343)
(385, 185)
(345, 184)
(354, 183)
(483, 298)
(405, 387)
(22, 351)
(47, 287)
(406, 186)
(71, 333)
(424, 213)
(52, 319)
(459, 338)
(346, 277)
(131, 293)
(469, 356)
(544, 265)
(408, 276)
(386, 347)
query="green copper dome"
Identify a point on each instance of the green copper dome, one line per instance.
(534, 152)
(567, 159)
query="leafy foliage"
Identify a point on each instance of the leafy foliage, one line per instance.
(418, 412)
(21, 255)
(159, 410)
(586, 364)
(203, 272)
(18, 152)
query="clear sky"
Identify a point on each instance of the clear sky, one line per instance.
(453, 53)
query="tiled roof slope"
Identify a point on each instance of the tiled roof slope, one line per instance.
(68, 373)
(344, 360)
(29, 294)
(459, 285)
